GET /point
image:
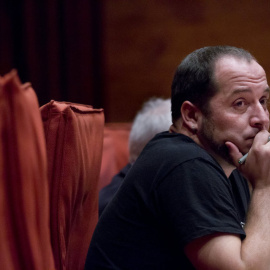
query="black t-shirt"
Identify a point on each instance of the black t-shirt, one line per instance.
(107, 193)
(175, 192)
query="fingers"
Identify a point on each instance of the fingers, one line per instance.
(238, 159)
(256, 169)
(234, 152)
(261, 138)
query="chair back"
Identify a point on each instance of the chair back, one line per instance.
(24, 200)
(115, 153)
(74, 140)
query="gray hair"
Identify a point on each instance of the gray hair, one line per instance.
(154, 117)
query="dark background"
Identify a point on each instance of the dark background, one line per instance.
(115, 54)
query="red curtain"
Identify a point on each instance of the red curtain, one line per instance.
(56, 45)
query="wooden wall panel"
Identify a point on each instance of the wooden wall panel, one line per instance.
(144, 41)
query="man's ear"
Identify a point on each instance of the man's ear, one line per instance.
(190, 114)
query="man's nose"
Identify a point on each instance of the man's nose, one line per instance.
(260, 117)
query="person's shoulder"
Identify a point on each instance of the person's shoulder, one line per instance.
(168, 138)
(176, 146)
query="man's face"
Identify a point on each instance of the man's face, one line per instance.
(238, 111)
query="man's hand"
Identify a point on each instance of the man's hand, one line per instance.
(257, 165)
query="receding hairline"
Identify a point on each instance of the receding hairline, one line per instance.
(238, 58)
(194, 76)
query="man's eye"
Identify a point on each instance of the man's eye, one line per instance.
(264, 101)
(239, 103)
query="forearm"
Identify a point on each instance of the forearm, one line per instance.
(225, 251)
(255, 248)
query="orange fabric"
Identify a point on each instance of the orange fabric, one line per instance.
(74, 137)
(115, 151)
(24, 203)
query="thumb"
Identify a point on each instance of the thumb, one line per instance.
(234, 152)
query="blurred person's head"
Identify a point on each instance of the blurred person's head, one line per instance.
(154, 117)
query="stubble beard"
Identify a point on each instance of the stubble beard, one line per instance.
(207, 135)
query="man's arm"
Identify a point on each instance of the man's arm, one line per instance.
(227, 251)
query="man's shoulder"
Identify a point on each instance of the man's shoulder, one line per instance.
(176, 146)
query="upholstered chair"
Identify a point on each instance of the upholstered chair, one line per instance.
(24, 199)
(115, 153)
(74, 140)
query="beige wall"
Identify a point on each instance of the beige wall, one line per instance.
(144, 41)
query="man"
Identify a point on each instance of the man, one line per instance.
(183, 205)
(154, 117)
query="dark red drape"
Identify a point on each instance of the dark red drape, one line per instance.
(56, 45)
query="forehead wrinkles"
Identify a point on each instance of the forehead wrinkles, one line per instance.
(247, 78)
(232, 70)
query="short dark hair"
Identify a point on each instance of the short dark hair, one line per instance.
(194, 77)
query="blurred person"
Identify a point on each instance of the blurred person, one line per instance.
(154, 117)
(187, 202)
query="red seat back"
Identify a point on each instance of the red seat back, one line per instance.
(74, 138)
(24, 202)
(115, 151)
